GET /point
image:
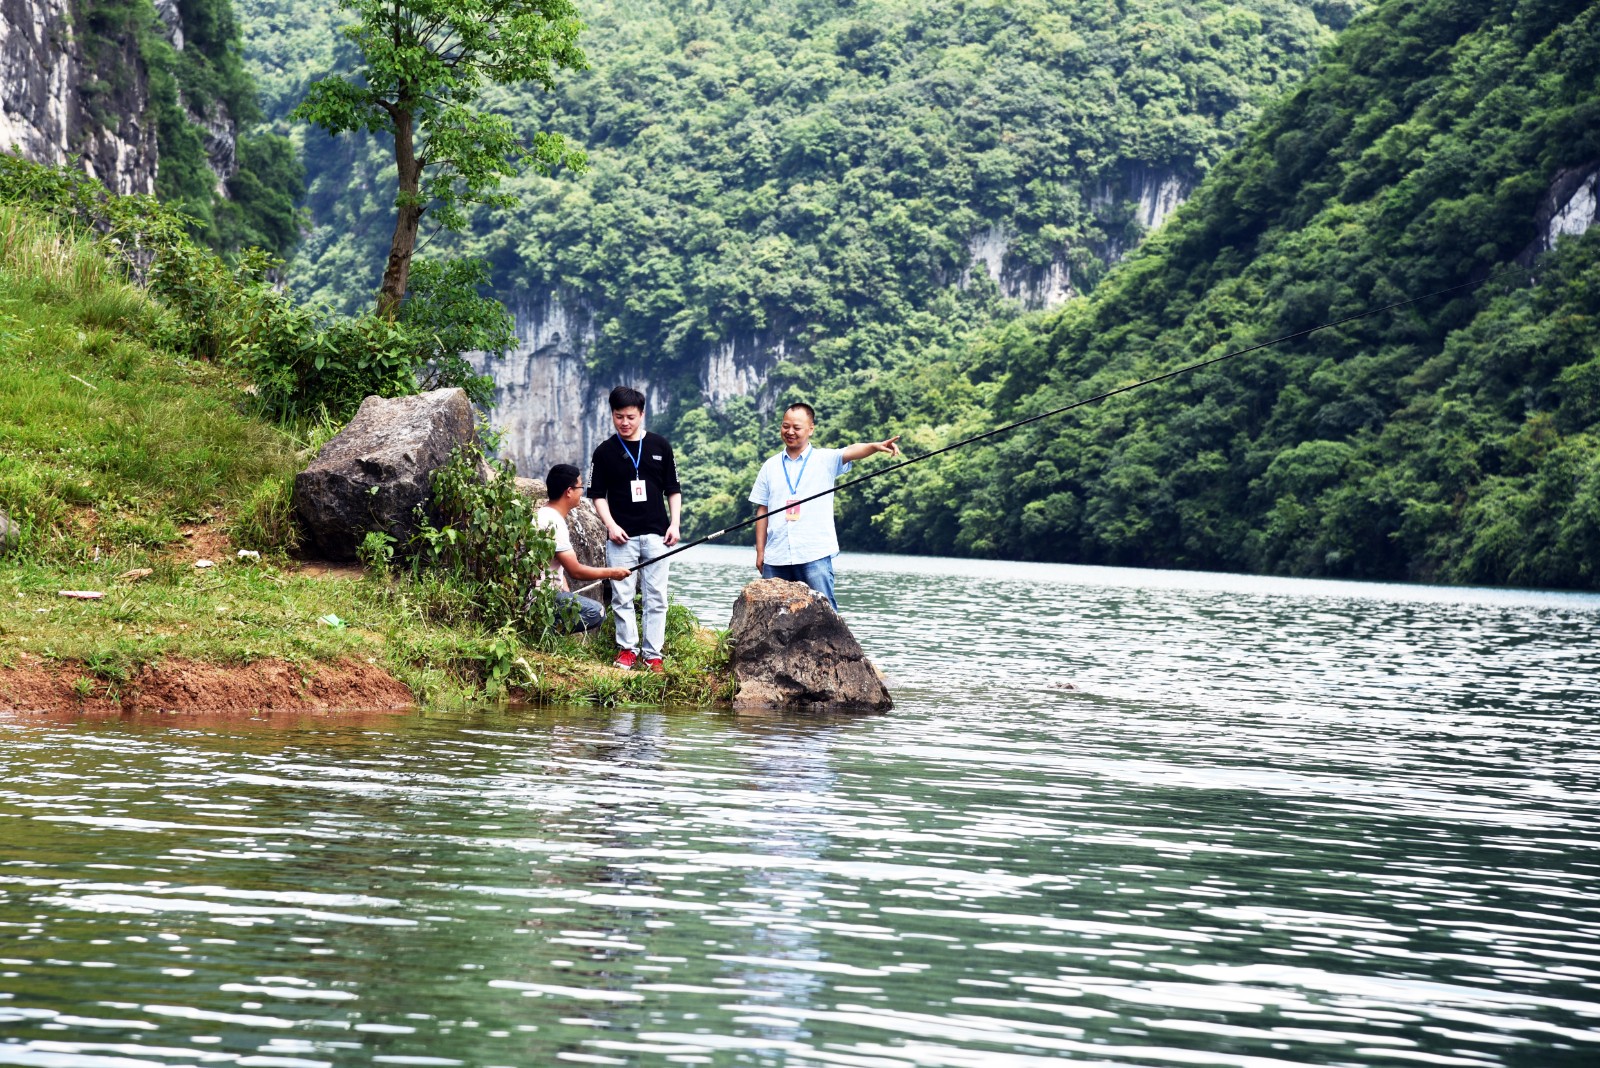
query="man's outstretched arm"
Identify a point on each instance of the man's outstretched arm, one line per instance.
(862, 449)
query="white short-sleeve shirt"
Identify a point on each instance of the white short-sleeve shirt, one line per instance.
(809, 535)
(552, 520)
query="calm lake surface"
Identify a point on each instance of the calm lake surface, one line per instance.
(1117, 818)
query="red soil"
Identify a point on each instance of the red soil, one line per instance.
(35, 685)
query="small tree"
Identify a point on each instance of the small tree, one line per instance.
(425, 63)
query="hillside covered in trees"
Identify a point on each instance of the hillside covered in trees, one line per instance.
(815, 174)
(812, 174)
(1454, 440)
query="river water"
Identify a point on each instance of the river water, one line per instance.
(1117, 818)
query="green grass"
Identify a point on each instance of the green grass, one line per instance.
(110, 440)
(111, 445)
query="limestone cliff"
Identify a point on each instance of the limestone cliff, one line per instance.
(547, 406)
(75, 82)
(60, 99)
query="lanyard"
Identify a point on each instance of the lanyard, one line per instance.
(794, 483)
(637, 460)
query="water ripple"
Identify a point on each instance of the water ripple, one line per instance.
(1122, 818)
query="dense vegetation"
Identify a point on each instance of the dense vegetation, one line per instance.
(129, 454)
(814, 171)
(204, 83)
(1456, 440)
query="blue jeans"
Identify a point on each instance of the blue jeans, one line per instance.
(818, 574)
(591, 613)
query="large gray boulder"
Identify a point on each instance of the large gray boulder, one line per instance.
(791, 648)
(375, 473)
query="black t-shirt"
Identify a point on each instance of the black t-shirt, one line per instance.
(613, 472)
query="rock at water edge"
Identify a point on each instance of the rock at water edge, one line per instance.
(791, 648)
(375, 473)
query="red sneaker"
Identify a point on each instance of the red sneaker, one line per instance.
(626, 660)
(654, 664)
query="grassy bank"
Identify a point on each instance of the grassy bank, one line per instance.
(121, 455)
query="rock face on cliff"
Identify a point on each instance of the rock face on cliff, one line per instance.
(548, 408)
(45, 106)
(790, 648)
(71, 85)
(375, 473)
(1570, 207)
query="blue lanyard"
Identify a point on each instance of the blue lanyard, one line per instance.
(794, 483)
(637, 460)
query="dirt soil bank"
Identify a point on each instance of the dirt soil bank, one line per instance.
(32, 684)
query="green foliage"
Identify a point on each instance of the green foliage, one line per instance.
(376, 552)
(423, 67)
(447, 316)
(301, 361)
(1452, 440)
(482, 538)
(204, 84)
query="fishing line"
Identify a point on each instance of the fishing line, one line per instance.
(1067, 408)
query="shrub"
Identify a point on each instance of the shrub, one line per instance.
(301, 360)
(482, 538)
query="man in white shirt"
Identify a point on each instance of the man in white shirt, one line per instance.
(564, 485)
(799, 542)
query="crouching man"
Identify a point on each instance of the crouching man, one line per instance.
(565, 487)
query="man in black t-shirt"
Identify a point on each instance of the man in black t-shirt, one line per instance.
(634, 486)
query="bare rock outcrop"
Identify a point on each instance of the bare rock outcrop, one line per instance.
(61, 100)
(791, 648)
(375, 473)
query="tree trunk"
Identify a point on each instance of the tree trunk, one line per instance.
(408, 215)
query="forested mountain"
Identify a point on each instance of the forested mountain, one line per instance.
(1454, 440)
(828, 184)
(823, 164)
(814, 191)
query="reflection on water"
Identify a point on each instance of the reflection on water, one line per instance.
(1123, 818)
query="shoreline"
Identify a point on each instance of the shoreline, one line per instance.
(246, 637)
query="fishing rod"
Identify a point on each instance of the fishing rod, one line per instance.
(1066, 408)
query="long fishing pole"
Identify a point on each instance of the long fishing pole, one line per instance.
(1065, 408)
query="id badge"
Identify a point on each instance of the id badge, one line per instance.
(792, 511)
(636, 487)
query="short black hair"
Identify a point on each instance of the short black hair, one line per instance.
(811, 413)
(626, 397)
(561, 478)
